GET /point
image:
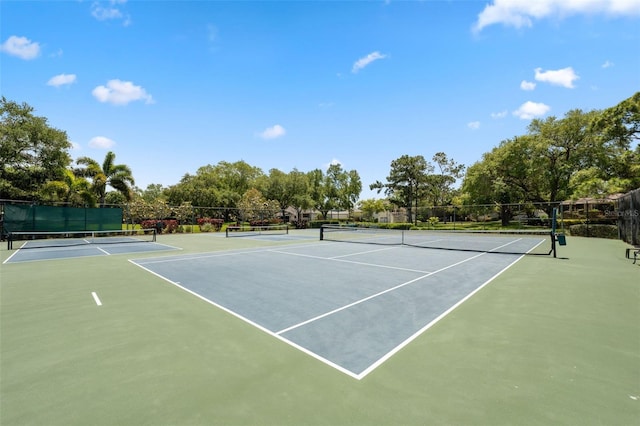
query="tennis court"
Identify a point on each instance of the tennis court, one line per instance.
(35, 246)
(349, 305)
(309, 332)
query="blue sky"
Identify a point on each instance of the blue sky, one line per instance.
(173, 86)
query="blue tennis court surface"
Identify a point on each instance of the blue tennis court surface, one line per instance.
(85, 250)
(349, 305)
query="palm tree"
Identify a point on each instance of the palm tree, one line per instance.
(118, 176)
(72, 189)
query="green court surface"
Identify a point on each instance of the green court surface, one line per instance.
(549, 341)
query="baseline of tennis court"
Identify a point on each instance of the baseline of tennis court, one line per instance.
(349, 305)
(86, 250)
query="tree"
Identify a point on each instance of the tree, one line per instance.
(151, 193)
(277, 187)
(371, 206)
(300, 190)
(220, 185)
(118, 176)
(341, 187)
(71, 189)
(31, 152)
(318, 191)
(406, 182)
(253, 207)
(617, 128)
(440, 185)
(621, 123)
(567, 146)
(199, 189)
(511, 173)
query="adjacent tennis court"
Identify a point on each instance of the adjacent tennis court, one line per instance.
(349, 305)
(34, 246)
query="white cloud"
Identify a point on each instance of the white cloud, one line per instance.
(21, 47)
(273, 132)
(101, 142)
(501, 114)
(527, 85)
(530, 110)
(110, 11)
(607, 64)
(61, 80)
(522, 13)
(563, 77)
(473, 125)
(119, 92)
(75, 146)
(365, 61)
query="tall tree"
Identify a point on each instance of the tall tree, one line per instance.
(342, 187)
(117, 176)
(300, 190)
(31, 152)
(441, 182)
(620, 123)
(406, 182)
(318, 191)
(510, 173)
(567, 145)
(277, 188)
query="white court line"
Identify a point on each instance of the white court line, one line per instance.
(96, 298)
(432, 323)
(373, 296)
(365, 252)
(104, 251)
(9, 258)
(335, 259)
(279, 336)
(248, 321)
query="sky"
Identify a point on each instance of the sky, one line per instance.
(171, 86)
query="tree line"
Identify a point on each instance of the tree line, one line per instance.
(583, 154)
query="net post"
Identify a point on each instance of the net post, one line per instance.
(553, 230)
(321, 232)
(153, 237)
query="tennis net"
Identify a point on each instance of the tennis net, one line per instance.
(42, 239)
(252, 230)
(507, 242)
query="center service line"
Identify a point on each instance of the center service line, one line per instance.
(96, 298)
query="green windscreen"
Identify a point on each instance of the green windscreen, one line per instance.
(22, 217)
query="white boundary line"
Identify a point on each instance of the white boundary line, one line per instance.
(12, 254)
(96, 298)
(381, 360)
(248, 321)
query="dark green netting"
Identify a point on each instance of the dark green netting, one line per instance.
(22, 217)
(629, 217)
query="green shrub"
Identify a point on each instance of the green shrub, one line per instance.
(598, 231)
(208, 227)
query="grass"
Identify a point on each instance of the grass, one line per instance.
(550, 341)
